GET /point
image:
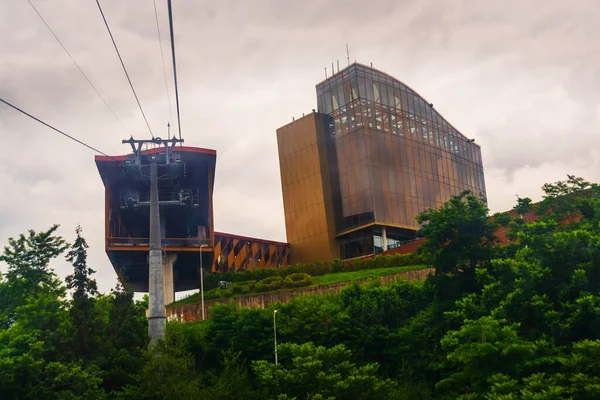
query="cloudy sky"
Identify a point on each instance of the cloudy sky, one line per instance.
(520, 76)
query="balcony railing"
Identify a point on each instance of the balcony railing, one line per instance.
(166, 242)
(133, 198)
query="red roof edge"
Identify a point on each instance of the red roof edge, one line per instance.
(184, 149)
(229, 235)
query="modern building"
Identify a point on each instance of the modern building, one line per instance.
(357, 171)
(185, 191)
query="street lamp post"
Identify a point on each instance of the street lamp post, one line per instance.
(202, 280)
(275, 334)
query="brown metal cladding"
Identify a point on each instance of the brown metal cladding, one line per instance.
(395, 155)
(307, 199)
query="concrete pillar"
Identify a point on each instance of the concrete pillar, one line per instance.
(163, 226)
(169, 277)
(156, 296)
(384, 242)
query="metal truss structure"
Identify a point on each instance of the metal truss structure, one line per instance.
(238, 253)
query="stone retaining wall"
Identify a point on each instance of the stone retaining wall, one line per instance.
(193, 311)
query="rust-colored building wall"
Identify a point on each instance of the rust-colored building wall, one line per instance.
(501, 232)
(306, 187)
(396, 155)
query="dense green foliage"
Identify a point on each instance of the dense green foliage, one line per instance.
(459, 234)
(312, 372)
(519, 321)
(51, 347)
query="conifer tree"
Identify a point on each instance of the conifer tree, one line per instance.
(82, 312)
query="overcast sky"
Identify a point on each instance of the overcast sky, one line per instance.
(519, 76)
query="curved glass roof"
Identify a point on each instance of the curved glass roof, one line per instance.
(402, 97)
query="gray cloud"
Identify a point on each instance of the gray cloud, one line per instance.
(518, 77)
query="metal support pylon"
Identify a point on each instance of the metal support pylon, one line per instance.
(134, 163)
(156, 296)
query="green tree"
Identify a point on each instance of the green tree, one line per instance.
(232, 382)
(35, 360)
(581, 367)
(459, 234)
(168, 371)
(502, 219)
(566, 201)
(84, 317)
(481, 349)
(307, 371)
(523, 206)
(36, 338)
(125, 339)
(28, 274)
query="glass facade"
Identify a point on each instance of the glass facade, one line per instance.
(369, 240)
(391, 154)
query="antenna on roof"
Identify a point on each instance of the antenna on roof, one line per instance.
(371, 64)
(332, 69)
(338, 65)
(325, 72)
(348, 53)
(169, 130)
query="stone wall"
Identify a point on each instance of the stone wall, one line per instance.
(193, 312)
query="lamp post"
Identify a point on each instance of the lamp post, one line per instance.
(275, 334)
(202, 280)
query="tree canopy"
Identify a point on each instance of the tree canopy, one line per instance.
(460, 234)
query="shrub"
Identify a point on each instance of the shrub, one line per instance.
(218, 293)
(299, 279)
(338, 265)
(269, 284)
(316, 269)
(243, 287)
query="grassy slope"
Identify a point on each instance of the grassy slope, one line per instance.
(357, 275)
(322, 280)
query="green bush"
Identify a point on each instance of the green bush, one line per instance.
(218, 293)
(269, 284)
(338, 265)
(243, 287)
(299, 279)
(315, 269)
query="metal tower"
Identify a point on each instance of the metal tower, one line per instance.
(152, 167)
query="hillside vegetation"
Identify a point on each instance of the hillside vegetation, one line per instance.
(301, 280)
(519, 321)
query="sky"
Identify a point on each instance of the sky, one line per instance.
(519, 76)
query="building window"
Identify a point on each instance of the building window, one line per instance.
(370, 90)
(378, 243)
(327, 103)
(354, 89)
(376, 96)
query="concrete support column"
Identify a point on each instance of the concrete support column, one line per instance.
(156, 295)
(163, 226)
(169, 277)
(384, 242)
